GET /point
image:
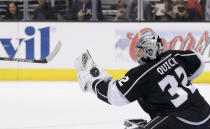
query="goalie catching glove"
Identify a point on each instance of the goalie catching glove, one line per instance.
(88, 72)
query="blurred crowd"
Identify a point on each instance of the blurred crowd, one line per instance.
(122, 10)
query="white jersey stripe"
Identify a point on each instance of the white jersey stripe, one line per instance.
(200, 69)
(97, 84)
(151, 121)
(97, 92)
(145, 74)
(153, 127)
(115, 97)
(191, 54)
(102, 94)
(194, 123)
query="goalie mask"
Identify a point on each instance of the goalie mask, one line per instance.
(148, 47)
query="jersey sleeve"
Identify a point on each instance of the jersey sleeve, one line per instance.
(192, 62)
(132, 85)
(109, 93)
(119, 92)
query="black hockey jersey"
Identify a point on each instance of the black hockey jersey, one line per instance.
(161, 86)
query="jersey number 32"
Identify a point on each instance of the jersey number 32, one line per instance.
(175, 89)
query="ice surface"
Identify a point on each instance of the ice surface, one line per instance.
(62, 105)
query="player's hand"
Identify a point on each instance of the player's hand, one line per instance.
(83, 64)
(88, 72)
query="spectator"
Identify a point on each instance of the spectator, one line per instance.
(133, 11)
(179, 12)
(68, 15)
(207, 11)
(44, 11)
(12, 12)
(2, 15)
(82, 10)
(147, 11)
(122, 13)
(203, 7)
(194, 8)
(128, 3)
(164, 10)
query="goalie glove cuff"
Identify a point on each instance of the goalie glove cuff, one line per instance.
(86, 78)
(102, 76)
(88, 72)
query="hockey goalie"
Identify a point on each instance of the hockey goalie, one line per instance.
(161, 84)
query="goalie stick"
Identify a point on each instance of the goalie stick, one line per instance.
(90, 56)
(46, 60)
(94, 71)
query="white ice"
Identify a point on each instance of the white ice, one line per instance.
(62, 105)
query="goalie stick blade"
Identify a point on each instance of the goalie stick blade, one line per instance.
(54, 52)
(22, 60)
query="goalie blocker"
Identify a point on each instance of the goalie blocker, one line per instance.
(160, 84)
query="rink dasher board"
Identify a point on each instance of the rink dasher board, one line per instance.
(65, 75)
(110, 44)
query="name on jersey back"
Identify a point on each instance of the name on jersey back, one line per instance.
(167, 65)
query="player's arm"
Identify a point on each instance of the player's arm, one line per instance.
(192, 62)
(119, 92)
(109, 93)
(100, 83)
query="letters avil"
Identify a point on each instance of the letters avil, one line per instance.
(29, 31)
